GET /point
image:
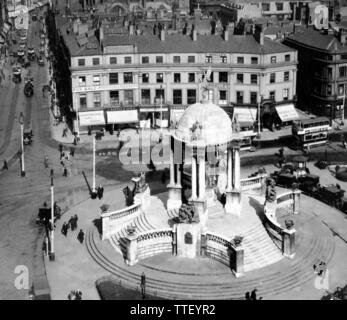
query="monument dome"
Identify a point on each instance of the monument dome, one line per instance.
(204, 124)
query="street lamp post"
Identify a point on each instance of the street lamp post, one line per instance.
(51, 252)
(93, 190)
(161, 110)
(21, 121)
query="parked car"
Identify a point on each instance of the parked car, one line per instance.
(28, 136)
(41, 61)
(16, 74)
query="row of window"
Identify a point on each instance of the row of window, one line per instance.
(178, 59)
(128, 77)
(176, 96)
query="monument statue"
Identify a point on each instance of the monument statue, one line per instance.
(270, 195)
(187, 214)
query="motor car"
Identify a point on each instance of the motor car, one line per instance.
(31, 53)
(20, 55)
(16, 74)
(41, 62)
(42, 50)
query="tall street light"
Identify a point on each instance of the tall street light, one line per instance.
(161, 110)
(93, 190)
(21, 121)
(51, 252)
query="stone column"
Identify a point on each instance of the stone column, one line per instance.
(229, 170)
(131, 250)
(202, 184)
(288, 243)
(194, 178)
(172, 168)
(296, 201)
(237, 169)
(238, 263)
(179, 175)
(175, 188)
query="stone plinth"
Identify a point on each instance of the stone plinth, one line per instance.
(144, 197)
(175, 197)
(233, 202)
(288, 243)
(237, 260)
(131, 250)
(188, 240)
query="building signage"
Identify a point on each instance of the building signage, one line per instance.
(122, 116)
(314, 130)
(105, 88)
(90, 118)
(153, 109)
(245, 114)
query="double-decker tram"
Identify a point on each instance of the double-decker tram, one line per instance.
(309, 133)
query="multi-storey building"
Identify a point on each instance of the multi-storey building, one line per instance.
(322, 74)
(130, 77)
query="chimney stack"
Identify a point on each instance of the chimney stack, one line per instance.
(342, 37)
(226, 35)
(131, 29)
(195, 35)
(162, 35)
(101, 35)
(259, 34)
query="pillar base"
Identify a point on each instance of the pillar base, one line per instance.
(175, 197)
(233, 202)
(22, 173)
(51, 256)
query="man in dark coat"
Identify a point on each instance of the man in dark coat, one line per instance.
(80, 236)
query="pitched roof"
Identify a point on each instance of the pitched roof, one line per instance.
(178, 43)
(313, 39)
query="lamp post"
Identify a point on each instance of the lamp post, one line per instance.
(21, 121)
(51, 252)
(259, 124)
(161, 110)
(93, 189)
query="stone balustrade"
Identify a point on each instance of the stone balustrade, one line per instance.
(284, 238)
(146, 244)
(114, 221)
(218, 248)
(256, 182)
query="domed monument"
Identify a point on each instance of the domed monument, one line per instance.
(204, 134)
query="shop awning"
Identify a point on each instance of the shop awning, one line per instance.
(122, 116)
(245, 115)
(91, 118)
(287, 112)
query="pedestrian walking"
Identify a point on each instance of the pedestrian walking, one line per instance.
(66, 156)
(75, 220)
(62, 163)
(5, 166)
(247, 296)
(64, 229)
(80, 236)
(254, 294)
(64, 133)
(60, 148)
(65, 173)
(143, 285)
(72, 151)
(46, 161)
(72, 223)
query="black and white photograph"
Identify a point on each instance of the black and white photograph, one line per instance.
(176, 154)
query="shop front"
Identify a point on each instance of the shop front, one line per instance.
(154, 117)
(287, 114)
(93, 120)
(117, 118)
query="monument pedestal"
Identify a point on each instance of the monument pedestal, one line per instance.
(175, 197)
(188, 240)
(233, 202)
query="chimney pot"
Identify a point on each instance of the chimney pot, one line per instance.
(195, 35)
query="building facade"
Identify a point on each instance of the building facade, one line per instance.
(322, 72)
(158, 75)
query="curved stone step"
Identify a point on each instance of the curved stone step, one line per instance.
(299, 273)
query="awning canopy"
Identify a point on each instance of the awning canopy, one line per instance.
(122, 116)
(287, 112)
(246, 115)
(90, 118)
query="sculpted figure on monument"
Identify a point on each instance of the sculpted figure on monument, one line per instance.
(270, 195)
(187, 214)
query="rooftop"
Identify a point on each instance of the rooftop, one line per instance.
(317, 40)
